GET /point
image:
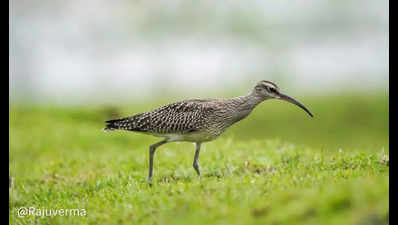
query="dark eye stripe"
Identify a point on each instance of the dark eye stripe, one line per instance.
(267, 87)
(265, 82)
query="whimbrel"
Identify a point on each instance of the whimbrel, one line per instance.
(197, 120)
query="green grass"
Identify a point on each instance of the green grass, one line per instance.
(278, 166)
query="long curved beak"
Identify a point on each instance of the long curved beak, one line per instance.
(294, 101)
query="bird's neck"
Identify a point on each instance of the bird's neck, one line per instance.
(243, 106)
(249, 101)
(238, 108)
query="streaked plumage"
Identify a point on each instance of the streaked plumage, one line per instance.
(197, 120)
(186, 120)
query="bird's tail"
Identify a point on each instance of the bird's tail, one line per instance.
(112, 125)
(127, 123)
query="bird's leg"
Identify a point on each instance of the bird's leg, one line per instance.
(152, 150)
(195, 161)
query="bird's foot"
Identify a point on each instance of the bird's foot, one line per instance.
(149, 181)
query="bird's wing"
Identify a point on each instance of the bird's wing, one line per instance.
(179, 117)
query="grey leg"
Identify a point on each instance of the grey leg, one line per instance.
(152, 150)
(195, 161)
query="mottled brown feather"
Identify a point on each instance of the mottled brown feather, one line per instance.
(175, 118)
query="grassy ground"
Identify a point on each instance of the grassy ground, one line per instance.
(276, 167)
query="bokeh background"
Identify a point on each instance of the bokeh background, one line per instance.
(105, 51)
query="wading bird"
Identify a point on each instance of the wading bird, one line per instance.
(197, 120)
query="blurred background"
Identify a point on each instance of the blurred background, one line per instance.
(331, 55)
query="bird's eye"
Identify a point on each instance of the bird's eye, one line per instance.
(273, 90)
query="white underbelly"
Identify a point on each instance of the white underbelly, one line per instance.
(190, 137)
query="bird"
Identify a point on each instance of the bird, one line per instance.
(197, 120)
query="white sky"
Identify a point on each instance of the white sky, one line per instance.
(97, 49)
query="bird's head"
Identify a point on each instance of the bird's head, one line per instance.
(269, 90)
